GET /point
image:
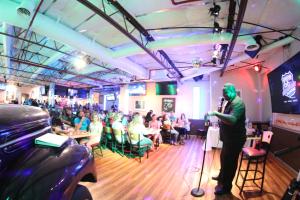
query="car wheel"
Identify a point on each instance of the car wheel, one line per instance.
(81, 193)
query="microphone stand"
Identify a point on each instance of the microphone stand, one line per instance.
(198, 192)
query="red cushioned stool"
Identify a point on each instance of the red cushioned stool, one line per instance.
(255, 156)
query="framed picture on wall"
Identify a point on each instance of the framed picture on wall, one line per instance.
(139, 105)
(168, 104)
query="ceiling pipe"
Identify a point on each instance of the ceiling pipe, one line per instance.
(145, 33)
(56, 56)
(203, 39)
(115, 24)
(233, 61)
(67, 36)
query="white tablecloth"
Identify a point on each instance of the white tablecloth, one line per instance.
(213, 138)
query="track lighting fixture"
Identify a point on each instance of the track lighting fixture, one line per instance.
(217, 28)
(215, 10)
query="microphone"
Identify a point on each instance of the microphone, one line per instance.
(221, 104)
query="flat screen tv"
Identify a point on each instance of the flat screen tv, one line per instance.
(137, 89)
(72, 92)
(83, 94)
(284, 83)
(166, 88)
(60, 90)
(110, 97)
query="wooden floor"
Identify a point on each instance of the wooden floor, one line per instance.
(172, 172)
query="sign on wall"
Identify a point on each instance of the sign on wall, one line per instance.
(168, 104)
(287, 121)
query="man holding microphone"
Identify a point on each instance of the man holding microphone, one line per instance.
(233, 136)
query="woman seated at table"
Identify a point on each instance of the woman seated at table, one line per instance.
(81, 122)
(118, 128)
(137, 130)
(155, 124)
(95, 130)
(182, 125)
(167, 127)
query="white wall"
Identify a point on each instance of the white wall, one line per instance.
(245, 80)
(184, 99)
(32, 91)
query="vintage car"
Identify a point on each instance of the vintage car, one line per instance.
(29, 171)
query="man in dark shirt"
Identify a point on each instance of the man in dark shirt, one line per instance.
(233, 136)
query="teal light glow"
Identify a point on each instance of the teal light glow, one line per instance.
(172, 89)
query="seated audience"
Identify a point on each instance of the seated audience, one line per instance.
(118, 128)
(182, 126)
(136, 131)
(167, 127)
(155, 124)
(96, 129)
(81, 122)
(148, 116)
(67, 116)
(172, 117)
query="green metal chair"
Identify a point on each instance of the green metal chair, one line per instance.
(119, 145)
(109, 137)
(137, 149)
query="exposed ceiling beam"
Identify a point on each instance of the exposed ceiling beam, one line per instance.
(240, 17)
(124, 31)
(54, 69)
(56, 56)
(203, 39)
(230, 22)
(144, 32)
(65, 35)
(46, 76)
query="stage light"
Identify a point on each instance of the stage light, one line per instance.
(215, 11)
(79, 63)
(217, 28)
(258, 68)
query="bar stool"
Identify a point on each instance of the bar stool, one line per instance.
(255, 156)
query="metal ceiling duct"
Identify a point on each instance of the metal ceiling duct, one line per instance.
(26, 8)
(203, 39)
(67, 36)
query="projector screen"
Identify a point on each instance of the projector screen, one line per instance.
(284, 83)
